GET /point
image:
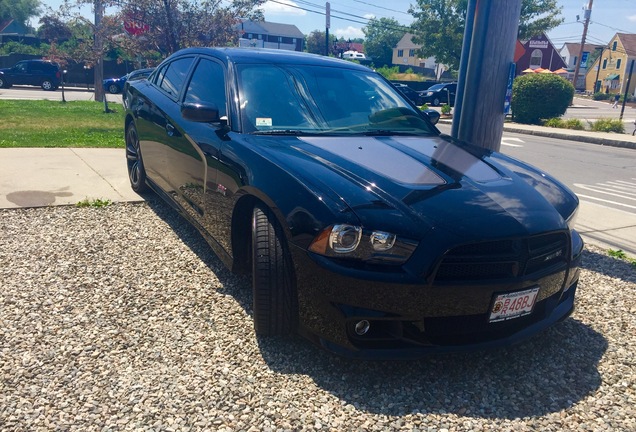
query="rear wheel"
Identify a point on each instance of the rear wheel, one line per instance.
(136, 171)
(273, 283)
(2, 82)
(47, 85)
(436, 101)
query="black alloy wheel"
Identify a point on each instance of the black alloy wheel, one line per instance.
(113, 88)
(436, 101)
(273, 282)
(2, 82)
(136, 171)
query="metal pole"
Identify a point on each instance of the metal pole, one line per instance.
(629, 81)
(598, 70)
(99, 45)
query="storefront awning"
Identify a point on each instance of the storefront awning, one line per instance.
(611, 77)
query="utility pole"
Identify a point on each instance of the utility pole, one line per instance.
(99, 51)
(327, 25)
(586, 16)
(485, 66)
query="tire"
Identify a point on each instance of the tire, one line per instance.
(134, 162)
(2, 82)
(113, 88)
(47, 85)
(436, 101)
(273, 282)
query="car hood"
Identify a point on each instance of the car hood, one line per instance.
(411, 185)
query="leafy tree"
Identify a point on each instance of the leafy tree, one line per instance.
(382, 35)
(315, 42)
(53, 28)
(439, 25)
(19, 10)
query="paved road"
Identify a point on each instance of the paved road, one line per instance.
(36, 93)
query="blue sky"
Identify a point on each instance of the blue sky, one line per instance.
(349, 16)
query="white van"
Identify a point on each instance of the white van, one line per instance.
(353, 55)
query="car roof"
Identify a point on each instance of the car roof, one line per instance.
(273, 56)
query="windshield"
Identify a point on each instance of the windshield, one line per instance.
(301, 100)
(436, 87)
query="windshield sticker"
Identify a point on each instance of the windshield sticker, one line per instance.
(263, 121)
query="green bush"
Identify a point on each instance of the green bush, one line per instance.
(554, 123)
(601, 96)
(574, 123)
(388, 72)
(608, 125)
(540, 96)
(424, 107)
(446, 109)
(557, 122)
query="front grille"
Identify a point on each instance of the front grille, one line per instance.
(503, 259)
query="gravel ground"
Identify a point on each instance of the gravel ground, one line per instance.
(120, 318)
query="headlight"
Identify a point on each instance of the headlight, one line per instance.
(350, 241)
(571, 220)
(344, 238)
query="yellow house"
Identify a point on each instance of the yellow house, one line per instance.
(615, 62)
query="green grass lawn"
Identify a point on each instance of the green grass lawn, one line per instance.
(43, 123)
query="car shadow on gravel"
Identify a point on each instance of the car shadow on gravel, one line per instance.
(608, 266)
(546, 374)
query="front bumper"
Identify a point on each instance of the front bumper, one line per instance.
(409, 319)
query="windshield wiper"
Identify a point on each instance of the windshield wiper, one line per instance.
(388, 132)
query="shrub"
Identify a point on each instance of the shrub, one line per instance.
(601, 96)
(554, 123)
(574, 123)
(446, 109)
(608, 125)
(388, 72)
(424, 107)
(540, 96)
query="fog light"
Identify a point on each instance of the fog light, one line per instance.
(382, 241)
(362, 327)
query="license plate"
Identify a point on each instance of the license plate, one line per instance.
(513, 305)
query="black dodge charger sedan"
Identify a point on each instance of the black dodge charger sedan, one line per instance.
(363, 228)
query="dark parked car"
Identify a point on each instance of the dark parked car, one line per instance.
(363, 228)
(116, 85)
(439, 93)
(41, 73)
(413, 96)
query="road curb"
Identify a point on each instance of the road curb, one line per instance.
(582, 138)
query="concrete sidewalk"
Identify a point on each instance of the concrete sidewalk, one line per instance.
(36, 177)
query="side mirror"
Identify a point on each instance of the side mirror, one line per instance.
(432, 115)
(202, 113)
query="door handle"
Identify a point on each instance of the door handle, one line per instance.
(170, 130)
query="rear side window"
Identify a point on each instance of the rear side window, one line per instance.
(172, 77)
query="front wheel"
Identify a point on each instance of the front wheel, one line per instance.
(113, 88)
(47, 85)
(436, 102)
(3, 83)
(136, 171)
(273, 282)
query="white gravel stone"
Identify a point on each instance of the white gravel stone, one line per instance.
(121, 318)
